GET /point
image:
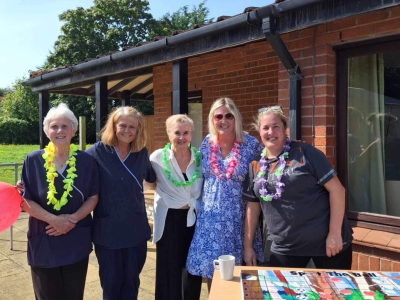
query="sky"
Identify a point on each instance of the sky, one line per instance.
(28, 29)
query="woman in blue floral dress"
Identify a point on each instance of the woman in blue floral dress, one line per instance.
(227, 152)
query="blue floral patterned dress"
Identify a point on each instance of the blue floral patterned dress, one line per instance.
(220, 222)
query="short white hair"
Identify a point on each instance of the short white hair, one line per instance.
(60, 111)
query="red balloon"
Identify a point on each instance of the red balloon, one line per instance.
(10, 205)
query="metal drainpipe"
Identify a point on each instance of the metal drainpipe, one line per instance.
(295, 76)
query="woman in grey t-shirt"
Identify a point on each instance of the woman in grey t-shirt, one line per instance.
(302, 200)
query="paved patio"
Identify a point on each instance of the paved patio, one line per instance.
(15, 278)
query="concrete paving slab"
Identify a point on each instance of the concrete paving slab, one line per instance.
(21, 260)
(3, 257)
(16, 287)
(9, 268)
(15, 276)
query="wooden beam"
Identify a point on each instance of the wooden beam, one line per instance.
(120, 85)
(142, 85)
(76, 92)
(44, 97)
(92, 89)
(148, 94)
(89, 78)
(138, 97)
(101, 104)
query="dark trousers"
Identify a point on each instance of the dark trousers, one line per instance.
(341, 261)
(173, 282)
(61, 283)
(119, 271)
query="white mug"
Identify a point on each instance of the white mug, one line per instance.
(226, 265)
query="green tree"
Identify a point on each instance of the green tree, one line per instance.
(20, 114)
(21, 103)
(109, 25)
(4, 91)
(182, 19)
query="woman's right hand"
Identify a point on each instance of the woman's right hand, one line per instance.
(250, 257)
(20, 187)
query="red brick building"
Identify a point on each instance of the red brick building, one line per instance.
(334, 66)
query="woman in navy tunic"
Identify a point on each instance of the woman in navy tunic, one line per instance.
(61, 187)
(120, 224)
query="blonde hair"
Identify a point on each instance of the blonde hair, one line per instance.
(60, 111)
(108, 135)
(276, 110)
(230, 105)
(179, 118)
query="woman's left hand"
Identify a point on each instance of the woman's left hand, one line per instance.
(62, 225)
(334, 244)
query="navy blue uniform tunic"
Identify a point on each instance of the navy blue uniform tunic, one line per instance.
(120, 218)
(46, 251)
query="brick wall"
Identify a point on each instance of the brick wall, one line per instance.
(248, 74)
(312, 49)
(252, 75)
(162, 89)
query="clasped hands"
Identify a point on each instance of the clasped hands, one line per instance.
(61, 224)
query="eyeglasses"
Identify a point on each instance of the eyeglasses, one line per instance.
(228, 116)
(275, 107)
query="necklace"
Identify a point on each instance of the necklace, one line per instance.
(232, 164)
(278, 173)
(167, 167)
(49, 154)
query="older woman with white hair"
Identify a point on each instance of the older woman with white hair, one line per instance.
(179, 183)
(61, 190)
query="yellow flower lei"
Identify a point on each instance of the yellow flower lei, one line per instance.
(49, 153)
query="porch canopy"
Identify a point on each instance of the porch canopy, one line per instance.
(128, 74)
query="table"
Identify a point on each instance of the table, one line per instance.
(232, 290)
(327, 284)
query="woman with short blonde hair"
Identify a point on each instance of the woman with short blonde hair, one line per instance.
(179, 184)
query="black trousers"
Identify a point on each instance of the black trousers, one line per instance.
(119, 271)
(173, 282)
(61, 283)
(341, 261)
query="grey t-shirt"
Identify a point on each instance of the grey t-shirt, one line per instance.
(298, 222)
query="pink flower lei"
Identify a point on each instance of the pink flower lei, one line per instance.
(232, 164)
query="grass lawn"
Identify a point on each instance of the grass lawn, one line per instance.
(13, 154)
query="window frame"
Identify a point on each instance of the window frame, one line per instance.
(343, 53)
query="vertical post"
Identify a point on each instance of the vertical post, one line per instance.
(180, 87)
(269, 29)
(126, 98)
(82, 133)
(43, 110)
(295, 107)
(101, 104)
(11, 228)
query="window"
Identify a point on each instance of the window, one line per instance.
(369, 82)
